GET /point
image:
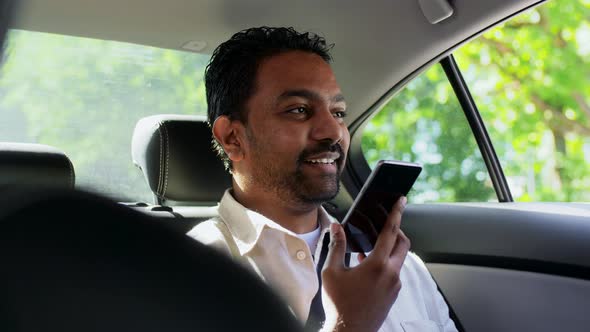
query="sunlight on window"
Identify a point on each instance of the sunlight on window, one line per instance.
(538, 86)
(418, 125)
(529, 78)
(84, 96)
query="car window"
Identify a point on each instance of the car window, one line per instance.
(530, 79)
(424, 123)
(84, 97)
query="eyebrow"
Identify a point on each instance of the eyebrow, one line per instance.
(308, 94)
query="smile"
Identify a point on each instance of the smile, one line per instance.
(326, 158)
(320, 161)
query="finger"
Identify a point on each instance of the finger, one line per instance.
(381, 215)
(400, 251)
(382, 211)
(399, 207)
(388, 236)
(337, 249)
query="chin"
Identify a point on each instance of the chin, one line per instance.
(319, 194)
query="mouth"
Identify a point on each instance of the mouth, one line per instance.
(326, 158)
(323, 159)
(326, 161)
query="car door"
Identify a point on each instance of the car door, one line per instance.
(502, 126)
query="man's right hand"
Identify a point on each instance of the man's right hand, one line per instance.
(359, 298)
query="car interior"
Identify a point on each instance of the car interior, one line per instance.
(501, 264)
(75, 261)
(35, 165)
(174, 154)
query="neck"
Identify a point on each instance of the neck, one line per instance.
(298, 218)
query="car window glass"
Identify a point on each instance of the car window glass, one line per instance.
(530, 78)
(84, 97)
(424, 123)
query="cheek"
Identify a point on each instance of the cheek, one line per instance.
(287, 140)
(283, 142)
(345, 138)
(286, 144)
(270, 139)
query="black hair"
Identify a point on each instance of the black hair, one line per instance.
(231, 73)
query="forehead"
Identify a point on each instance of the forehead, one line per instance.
(295, 70)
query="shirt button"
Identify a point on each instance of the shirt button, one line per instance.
(301, 255)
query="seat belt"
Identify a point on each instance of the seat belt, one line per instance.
(317, 316)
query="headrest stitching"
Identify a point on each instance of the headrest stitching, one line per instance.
(160, 159)
(71, 169)
(166, 169)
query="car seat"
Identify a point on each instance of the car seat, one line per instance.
(185, 175)
(34, 165)
(175, 155)
(74, 261)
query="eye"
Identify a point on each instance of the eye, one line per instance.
(298, 110)
(340, 114)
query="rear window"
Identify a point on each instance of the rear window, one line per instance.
(84, 96)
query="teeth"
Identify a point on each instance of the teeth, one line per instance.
(320, 161)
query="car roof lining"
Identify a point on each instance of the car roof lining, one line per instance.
(368, 59)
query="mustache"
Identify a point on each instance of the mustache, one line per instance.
(320, 148)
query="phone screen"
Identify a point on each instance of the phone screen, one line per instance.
(387, 183)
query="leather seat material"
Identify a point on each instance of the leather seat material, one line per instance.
(175, 154)
(34, 165)
(74, 261)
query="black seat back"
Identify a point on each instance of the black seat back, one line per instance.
(72, 261)
(34, 165)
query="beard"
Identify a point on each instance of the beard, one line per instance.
(313, 191)
(294, 185)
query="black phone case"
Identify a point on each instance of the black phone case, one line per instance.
(387, 183)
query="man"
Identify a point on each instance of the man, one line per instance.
(276, 112)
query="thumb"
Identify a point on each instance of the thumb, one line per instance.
(337, 249)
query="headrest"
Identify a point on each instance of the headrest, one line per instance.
(34, 165)
(175, 155)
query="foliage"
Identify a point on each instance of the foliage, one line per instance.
(84, 97)
(530, 78)
(425, 124)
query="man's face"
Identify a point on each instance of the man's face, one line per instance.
(296, 139)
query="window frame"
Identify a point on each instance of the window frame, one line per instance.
(478, 128)
(357, 170)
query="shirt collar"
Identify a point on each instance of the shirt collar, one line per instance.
(247, 225)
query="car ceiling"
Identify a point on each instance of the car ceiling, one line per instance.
(378, 43)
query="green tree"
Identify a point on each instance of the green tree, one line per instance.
(425, 124)
(84, 97)
(530, 78)
(537, 100)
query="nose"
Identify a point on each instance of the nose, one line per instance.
(327, 127)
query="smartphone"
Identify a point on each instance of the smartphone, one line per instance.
(387, 183)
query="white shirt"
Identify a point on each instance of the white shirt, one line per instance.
(312, 238)
(284, 261)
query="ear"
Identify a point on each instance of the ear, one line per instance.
(228, 134)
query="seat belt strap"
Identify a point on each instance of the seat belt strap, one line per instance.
(317, 316)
